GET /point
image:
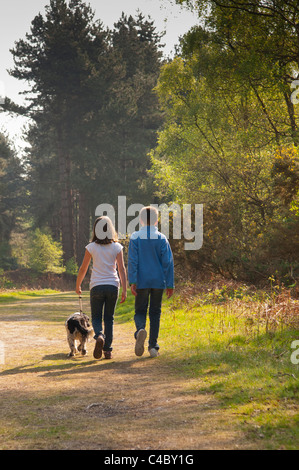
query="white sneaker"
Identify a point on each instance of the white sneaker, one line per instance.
(139, 345)
(153, 352)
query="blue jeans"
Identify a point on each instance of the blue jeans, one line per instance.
(153, 297)
(103, 297)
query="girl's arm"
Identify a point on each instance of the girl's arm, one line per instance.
(122, 275)
(82, 271)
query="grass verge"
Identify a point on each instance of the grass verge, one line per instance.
(246, 366)
(11, 295)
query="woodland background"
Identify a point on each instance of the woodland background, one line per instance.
(110, 115)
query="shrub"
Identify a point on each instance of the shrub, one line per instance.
(71, 267)
(45, 255)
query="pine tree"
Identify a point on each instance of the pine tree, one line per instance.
(61, 58)
(135, 111)
(12, 197)
(95, 115)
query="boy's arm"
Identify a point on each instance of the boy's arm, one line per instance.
(133, 289)
(133, 264)
(169, 292)
(168, 267)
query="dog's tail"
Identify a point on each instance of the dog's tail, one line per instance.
(77, 324)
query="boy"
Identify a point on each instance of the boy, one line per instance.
(150, 271)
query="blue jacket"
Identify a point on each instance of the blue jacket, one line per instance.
(150, 261)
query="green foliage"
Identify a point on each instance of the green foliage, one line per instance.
(230, 142)
(12, 190)
(7, 261)
(71, 267)
(4, 282)
(45, 255)
(295, 205)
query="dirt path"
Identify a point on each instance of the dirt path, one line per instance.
(50, 401)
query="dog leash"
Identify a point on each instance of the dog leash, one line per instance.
(80, 303)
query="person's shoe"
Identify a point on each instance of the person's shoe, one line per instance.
(98, 349)
(139, 345)
(153, 352)
(107, 355)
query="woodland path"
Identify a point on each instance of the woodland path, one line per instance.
(50, 401)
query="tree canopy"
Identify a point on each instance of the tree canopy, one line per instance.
(94, 114)
(231, 134)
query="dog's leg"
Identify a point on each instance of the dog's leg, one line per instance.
(72, 346)
(82, 346)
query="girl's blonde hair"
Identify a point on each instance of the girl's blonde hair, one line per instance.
(106, 232)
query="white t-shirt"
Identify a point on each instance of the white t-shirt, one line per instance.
(104, 263)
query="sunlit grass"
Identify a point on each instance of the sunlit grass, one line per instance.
(241, 363)
(8, 295)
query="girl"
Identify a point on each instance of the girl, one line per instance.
(106, 253)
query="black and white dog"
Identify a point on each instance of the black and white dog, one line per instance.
(78, 329)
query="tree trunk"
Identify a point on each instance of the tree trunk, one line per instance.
(83, 236)
(66, 209)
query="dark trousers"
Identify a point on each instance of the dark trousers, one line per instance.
(153, 298)
(103, 298)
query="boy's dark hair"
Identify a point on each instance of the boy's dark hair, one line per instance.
(149, 215)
